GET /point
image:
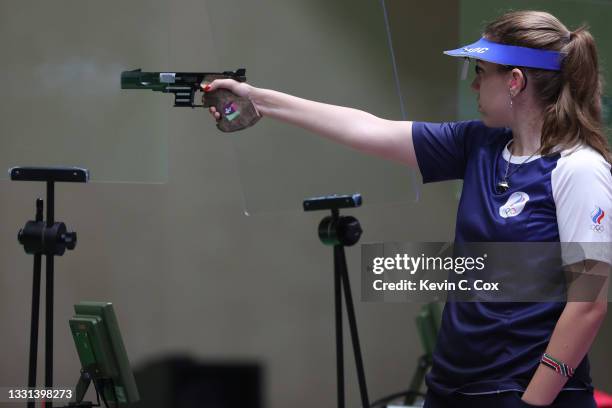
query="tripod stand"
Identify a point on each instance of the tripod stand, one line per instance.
(51, 239)
(340, 231)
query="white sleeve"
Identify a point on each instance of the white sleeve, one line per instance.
(582, 191)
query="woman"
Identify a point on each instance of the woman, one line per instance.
(535, 168)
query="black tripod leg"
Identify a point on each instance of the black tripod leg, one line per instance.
(35, 309)
(365, 402)
(339, 337)
(49, 295)
(34, 326)
(49, 328)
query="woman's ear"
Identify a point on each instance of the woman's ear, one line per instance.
(515, 79)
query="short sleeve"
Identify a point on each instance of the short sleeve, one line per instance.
(442, 149)
(582, 192)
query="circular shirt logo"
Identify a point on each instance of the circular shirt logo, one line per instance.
(515, 204)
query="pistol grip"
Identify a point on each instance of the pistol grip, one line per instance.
(236, 112)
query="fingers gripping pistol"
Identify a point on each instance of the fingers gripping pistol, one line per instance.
(236, 112)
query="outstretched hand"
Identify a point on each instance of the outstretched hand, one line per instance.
(241, 89)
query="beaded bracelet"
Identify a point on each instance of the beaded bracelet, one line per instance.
(557, 365)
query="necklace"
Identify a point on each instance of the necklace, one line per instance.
(504, 185)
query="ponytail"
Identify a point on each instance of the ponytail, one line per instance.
(576, 115)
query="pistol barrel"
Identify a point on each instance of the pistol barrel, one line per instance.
(137, 79)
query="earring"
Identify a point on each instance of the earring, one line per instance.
(510, 99)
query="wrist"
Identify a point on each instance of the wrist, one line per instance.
(254, 95)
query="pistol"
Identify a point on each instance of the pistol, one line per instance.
(236, 112)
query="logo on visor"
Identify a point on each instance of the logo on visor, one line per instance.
(479, 50)
(597, 217)
(515, 204)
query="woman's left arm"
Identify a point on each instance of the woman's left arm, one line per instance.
(581, 186)
(574, 332)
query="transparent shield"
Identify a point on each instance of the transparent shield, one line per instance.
(63, 104)
(331, 52)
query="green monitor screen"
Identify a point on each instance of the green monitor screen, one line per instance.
(103, 357)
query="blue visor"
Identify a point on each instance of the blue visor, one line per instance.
(502, 54)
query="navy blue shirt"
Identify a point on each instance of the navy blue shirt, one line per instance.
(485, 347)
